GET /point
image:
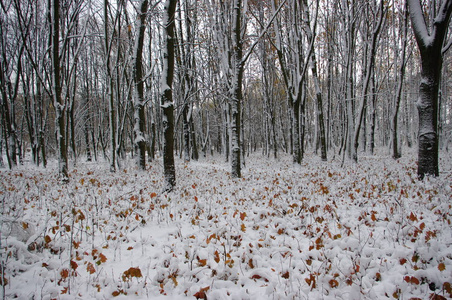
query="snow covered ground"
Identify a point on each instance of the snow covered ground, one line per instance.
(317, 231)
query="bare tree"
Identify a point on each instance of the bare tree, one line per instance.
(166, 100)
(430, 39)
(369, 69)
(139, 114)
(395, 145)
(58, 102)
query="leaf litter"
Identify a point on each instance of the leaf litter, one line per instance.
(315, 231)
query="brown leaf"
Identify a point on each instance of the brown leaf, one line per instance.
(412, 217)
(216, 256)
(250, 263)
(131, 272)
(333, 283)
(64, 273)
(202, 293)
(257, 276)
(102, 258)
(202, 262)
(115, 294)
(441, 267)
(90, 268)
(448, 288)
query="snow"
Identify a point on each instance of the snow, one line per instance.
(315, 231)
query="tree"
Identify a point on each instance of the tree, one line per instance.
(369, 71)
(395, 147)
(430, 39)
(318, 91)
(166, 100)
(139, 114)
(58, 102)
(294, 63)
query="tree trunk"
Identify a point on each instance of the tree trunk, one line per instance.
(110, 98)
(167, 95)
(139, 113)
(60, 109)
(395, 147)
(430, 46)
(236, 99)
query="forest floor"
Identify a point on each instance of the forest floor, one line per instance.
(317, 231)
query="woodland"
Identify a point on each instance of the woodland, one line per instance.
(243, 149)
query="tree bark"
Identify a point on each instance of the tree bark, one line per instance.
(430, 43)
(60, 109)
(395, 146)
(167, 95)
(139, 113)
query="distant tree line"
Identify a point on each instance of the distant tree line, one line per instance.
(84, 79)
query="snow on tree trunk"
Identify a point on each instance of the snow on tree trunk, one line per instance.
(110, 99)
(236, 90)
(57, 99)
(395, 147)
(167, 95)
(139, 113)
(430, 42)
(369, 71)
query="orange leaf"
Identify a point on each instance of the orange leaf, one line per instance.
(196, 199)
(102, 258)
(250, 263)
(202, 262)
(402, 261)
(333, 283)
(412, 217)
(202, 293)
(242, 216)
(441, 267)
(414, 280)
(422, 226)
(74, 265)
(256, 276)
(131, 272)
(448, 288)
(373, 217)
(378, 277)
(90, 268)
(216, 256)
(153, 195)
(47, 239)
(64, 273)
(243, 227)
